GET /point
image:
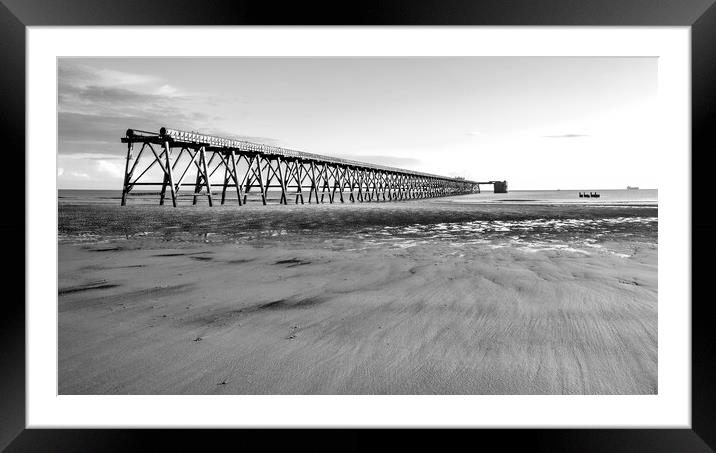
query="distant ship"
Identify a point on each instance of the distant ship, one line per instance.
(632, 188)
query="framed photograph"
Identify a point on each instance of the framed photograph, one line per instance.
(448, 216)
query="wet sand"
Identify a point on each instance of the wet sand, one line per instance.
(146, 311)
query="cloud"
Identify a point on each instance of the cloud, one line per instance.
(69, 72)
(110, 169)
(96, 97)
(113, 77)
(91, 156)
(85, 89)
(167, 90)
(83, 133)
(96, 106)
(566, 136)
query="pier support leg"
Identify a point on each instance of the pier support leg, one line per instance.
(127, 175)
(163, 192)
(128, 184)
(375, 187)
(249, 175)
(206, 176)
(351, 184)
(261, 180)
(225, 160)
(361, 180)
(314, 183)
(298, 173)
(197, 186)
(324, 185)
(342, 182)
(239, 195)
(281, 181)
(167, 150)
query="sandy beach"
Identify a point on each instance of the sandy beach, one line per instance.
(396, 298)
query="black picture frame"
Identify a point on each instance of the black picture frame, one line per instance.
(700, 15)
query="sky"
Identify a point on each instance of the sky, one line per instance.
(538, 122)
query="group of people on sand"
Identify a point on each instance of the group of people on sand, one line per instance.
(588, 195)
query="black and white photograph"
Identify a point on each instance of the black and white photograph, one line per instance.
(486, 216)
(434, 225)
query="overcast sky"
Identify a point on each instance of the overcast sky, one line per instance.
(538, 122)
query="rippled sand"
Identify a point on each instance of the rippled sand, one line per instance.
(402, 298)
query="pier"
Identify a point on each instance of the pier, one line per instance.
(249, 169)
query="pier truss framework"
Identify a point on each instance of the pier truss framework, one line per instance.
(243, 170)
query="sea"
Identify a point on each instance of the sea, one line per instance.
(606, 197)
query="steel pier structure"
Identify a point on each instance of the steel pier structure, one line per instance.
(246, 168)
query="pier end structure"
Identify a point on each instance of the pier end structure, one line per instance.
(500, 186)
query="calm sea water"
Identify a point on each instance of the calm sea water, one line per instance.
(639, 196)
(607, 197)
